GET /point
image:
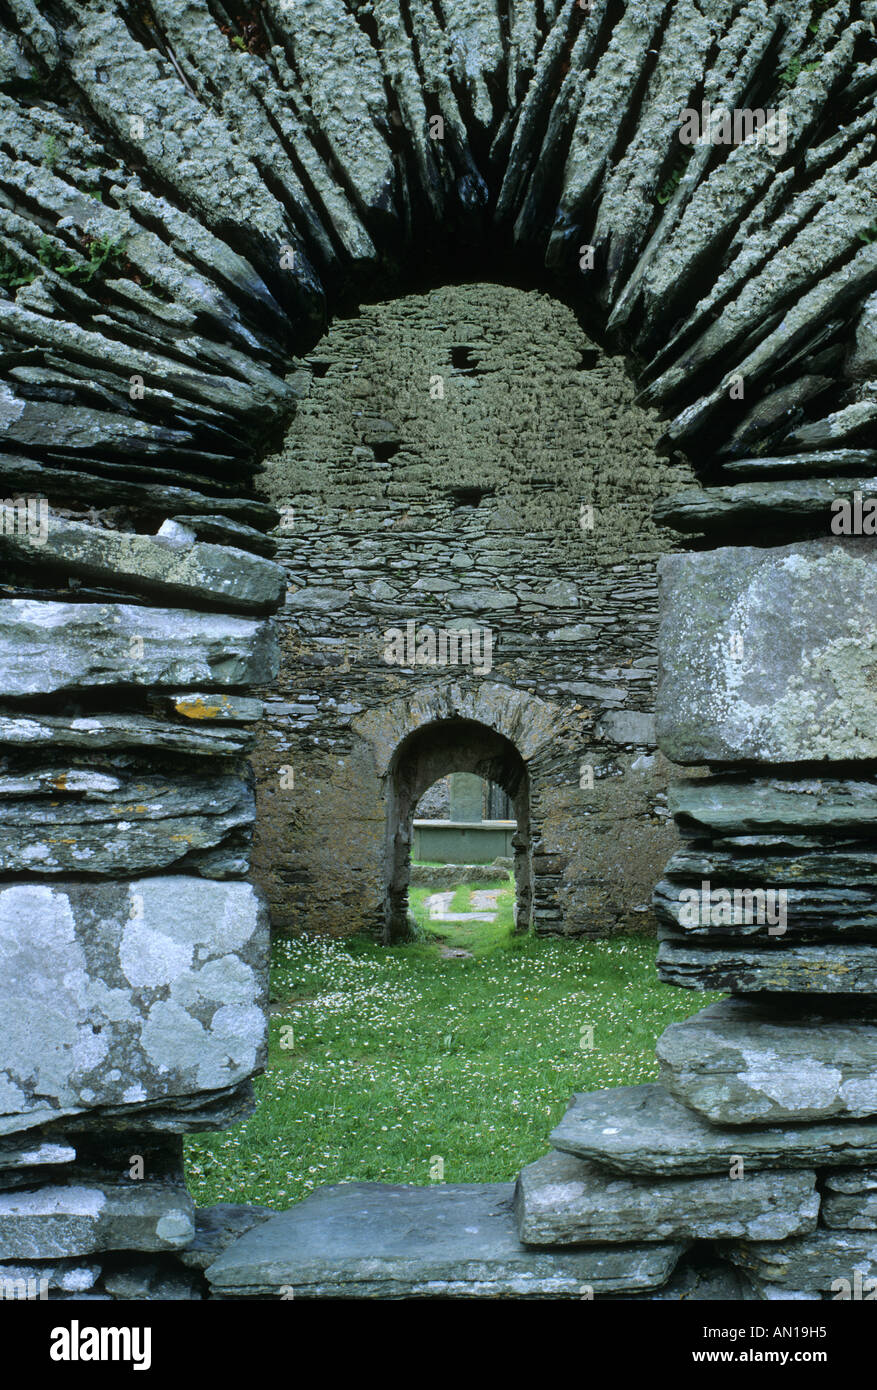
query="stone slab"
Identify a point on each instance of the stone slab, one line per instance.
(743, 1061)
(766, 654)
(170, 566)
(644, 1130)
(369, 1240)
(828, 1262)
(121, 994)
(850, 1200)
(57, 1222)
(735, 805)
(48, 646)
(826, 970)
(562, 1200)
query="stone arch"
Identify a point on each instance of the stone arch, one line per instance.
(489, 728)
(151, 307)
(430, 752)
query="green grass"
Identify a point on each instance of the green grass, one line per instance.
(394, 1056)
(477, 937)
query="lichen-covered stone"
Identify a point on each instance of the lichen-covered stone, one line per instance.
(829, 1262)
(645, 1131)
(127, 994)
(167, 566)
(825, 969)
(764, 1062)
(562, 1200)
(766, 654)
(68, 646)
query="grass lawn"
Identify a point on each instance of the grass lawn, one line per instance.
(384, 1059)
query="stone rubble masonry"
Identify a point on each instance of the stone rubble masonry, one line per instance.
(182, 215)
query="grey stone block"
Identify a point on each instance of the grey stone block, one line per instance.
(369, 1240)
(561, 1200)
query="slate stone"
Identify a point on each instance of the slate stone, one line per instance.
(34, 1151)
(208, 706)
(562, 1200)
(849, 1200)
(164, 565)
(780, 501)
(732, 805)
(850, 864)
(817, 914)
(812, 463)
(790, 633)
(122, 994)
(696, 1279)
(96, 732)
(644, 1130)
(217, 1227)
(143, 822)
(758, 1062)
(786, 969)
(151, 1281)
(824, 1261)
(68, 646)
(57, 1222)
(36, 1280)
(373, 1240)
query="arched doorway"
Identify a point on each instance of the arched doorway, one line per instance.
(431, 752)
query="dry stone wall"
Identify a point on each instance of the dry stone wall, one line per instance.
(185, 198)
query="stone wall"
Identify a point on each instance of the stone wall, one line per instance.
(467, 457)
(185, 202)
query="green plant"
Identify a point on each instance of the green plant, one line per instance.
(99, 251)
(14, 273)
(50, 152)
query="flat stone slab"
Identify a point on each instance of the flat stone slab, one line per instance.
(787, 969)
(370, 1240)
(645, 1130)
(850, 1200)
(766, 653)
(175, 565)
(120, 994)
(735, 805)
(561, 1200)
(744, 1062)
(56, 1222)
(824, 1261)
(68, 646)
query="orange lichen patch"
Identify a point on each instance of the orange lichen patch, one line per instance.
(197, 709)
(59, 782)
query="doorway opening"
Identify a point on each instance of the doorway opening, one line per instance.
(431, 753)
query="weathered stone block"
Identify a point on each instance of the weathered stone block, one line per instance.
(173, 565)
(372, 1240)
(767, 655)
(645, 1130)
(561, 1200)
(824, 1261)
(850, 1200)
(68, 646)
(51, 1223)
(824, 969)
(745, 1062)
(147, 821)
(125, 994)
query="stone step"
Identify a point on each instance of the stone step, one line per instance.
(644, 1130)
(374, 1240)
(745, 1061)
(562, 1200)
